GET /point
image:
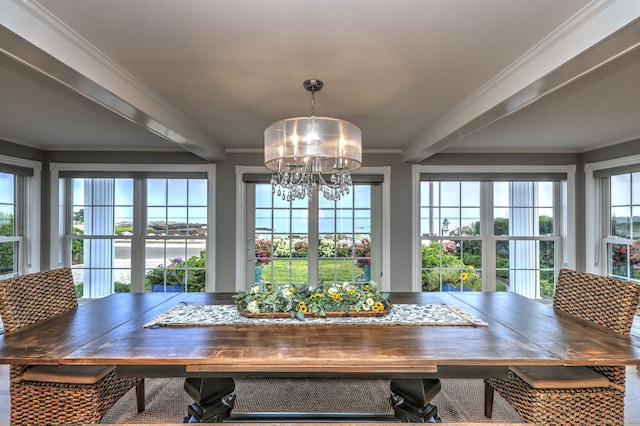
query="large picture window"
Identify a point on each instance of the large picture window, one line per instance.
(135, 231)
(616, 245)
(9, 238)
(490, 231)
(338, 245)
(19, 226)
(613, 213)
(313, 240)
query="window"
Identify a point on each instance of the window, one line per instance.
(19, 225)
(135, 231)
(312, 240)
(176, 230)
(285, 245)
(490, 231)
(451, 248)
(623, 218)
(616, 184)
(9, 242)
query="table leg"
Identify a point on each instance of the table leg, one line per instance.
(213, 397)
(411, 400)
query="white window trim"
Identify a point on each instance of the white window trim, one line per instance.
(593, 211)
(568, 234)
(56, 239)
(241, 236)
(30, 246)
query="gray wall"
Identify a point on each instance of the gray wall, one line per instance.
(400, 243)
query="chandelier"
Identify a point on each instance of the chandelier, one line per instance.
(302, 151)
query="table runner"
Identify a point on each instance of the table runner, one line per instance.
(184, 315)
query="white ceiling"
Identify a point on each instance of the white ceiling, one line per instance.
(418, 76)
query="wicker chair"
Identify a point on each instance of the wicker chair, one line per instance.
(604, 301)
(54, 394)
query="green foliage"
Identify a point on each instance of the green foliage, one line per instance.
(123, 230)
(301, 299)
(441, 265)
(327, 248)
(281, 247)
(78, 217)
(180, 272)
(77, 251)
(120, 287)
(500, 226)
(6, 249)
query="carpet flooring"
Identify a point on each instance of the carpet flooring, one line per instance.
(461, 400)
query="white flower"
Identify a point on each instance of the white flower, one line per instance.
(370, 302)
(287, 293)
(255, 289)
(332, 290)
(366, 307)
(253, 307)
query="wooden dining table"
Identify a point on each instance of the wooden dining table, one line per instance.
(518, 331)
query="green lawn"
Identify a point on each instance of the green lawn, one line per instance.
(296, 271)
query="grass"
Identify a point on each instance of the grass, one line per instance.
(296, 270)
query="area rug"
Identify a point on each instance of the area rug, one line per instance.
(461, 400)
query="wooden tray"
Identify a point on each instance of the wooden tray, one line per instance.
(312, 315)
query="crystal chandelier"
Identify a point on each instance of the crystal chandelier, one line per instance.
(302, 151)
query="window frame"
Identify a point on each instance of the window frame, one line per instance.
(57, 236)
(243, 251)
(567, 233)
(27, 194)
(595, 208)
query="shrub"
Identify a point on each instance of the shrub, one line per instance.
(440, 266)
(264, 248)
(180, 272)
(362, 251)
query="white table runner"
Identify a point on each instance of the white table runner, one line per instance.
(184, 315)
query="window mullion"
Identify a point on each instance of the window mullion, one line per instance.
(488, 239)
(376, 234)
(138, 256)
(314, 239)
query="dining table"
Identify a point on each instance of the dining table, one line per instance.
(509, 330)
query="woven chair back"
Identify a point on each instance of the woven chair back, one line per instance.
(27, 299)
(605, 301)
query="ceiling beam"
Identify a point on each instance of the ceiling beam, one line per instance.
(599, 34)
(32, 36)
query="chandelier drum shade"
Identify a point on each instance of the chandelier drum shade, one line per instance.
(301, 150)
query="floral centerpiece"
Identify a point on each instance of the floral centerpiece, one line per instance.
(300, 300)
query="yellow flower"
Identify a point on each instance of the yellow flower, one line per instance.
(464, 276)
(302, 307)
(377, 307)
(337, 297)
